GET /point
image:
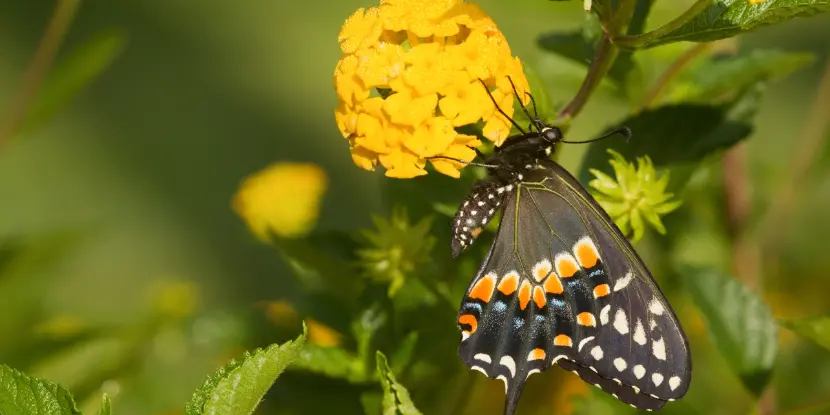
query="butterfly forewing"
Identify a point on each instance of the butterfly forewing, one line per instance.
(562, 285)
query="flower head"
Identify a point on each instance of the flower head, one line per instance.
(411, 72)
(396, 248)
(636, 194)
(283, 199)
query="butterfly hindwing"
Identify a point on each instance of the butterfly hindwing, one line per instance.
(562, 285)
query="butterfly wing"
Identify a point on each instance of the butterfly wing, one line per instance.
(561, 284)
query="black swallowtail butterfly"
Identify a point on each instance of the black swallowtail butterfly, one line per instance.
(561, 284)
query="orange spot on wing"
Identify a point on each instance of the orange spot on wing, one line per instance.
(539, 297)
(563, 340)
(586, 254)
(586, 319)
(601, 290)
(470, 320)
(553, 285)
(476, 232)
(541, 270)
(536, 354)
(509, 283)
(524, 295)
(566, 266)
(483, 289)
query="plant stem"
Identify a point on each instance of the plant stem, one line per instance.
(603, 61)
(650, 38)
(807, 150)
(671, 72)
(41, 62)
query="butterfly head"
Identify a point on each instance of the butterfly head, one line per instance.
(550, 134)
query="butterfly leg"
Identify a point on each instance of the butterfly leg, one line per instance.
(469, 163)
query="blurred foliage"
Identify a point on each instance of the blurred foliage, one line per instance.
(118, 160)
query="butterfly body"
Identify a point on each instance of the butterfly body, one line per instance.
(510, 164)
(562, 285)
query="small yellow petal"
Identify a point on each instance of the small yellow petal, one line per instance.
(405, 109)
(447, 167)
(346, 120)
(361, 29)
(364, 158)
(402, 164)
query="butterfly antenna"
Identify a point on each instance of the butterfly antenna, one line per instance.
(469, 163)
(499, 109)
(516, 94)
(532, 100)
(624, 131)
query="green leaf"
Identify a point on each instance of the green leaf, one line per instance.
(816, 329)
(238, 387)
(739, 323)
(705, 129)
(22, 394)
(727, 18)
(722, 77)
(71, 76)
(395, 397)
(106, 405)
(333, 362)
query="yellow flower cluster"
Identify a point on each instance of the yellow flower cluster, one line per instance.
(282, 200)
(409, 75)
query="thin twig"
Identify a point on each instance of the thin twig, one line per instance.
(738, 205)
(671, 72)
(603, 61)
(39, 66)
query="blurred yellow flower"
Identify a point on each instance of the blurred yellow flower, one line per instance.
(176, 299)
(322, 335)
(409, 75)
(283, 199)
(280, 313)
(753, 2)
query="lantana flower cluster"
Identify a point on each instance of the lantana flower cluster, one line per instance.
(409, 76)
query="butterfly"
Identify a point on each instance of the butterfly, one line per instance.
(561, 284)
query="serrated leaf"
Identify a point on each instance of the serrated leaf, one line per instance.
(106, 405)
(816, 329)
(333, 362)
(740, 324)
(23, 394)
(719, 77)
(727, 18)
(69, 77)
(395, 396)
(238, 387)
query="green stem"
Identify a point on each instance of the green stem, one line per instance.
(652, 37)
(622, 17)
(41, 62)
(603, 61)
(671, 72)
